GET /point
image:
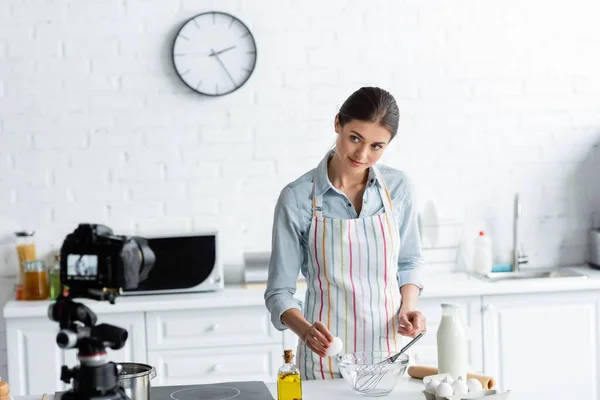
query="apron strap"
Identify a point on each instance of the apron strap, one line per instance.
(317, 203)
(385, 195)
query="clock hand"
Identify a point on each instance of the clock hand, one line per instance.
(212, 53)
(221, 51)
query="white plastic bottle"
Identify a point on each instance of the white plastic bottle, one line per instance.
(452, 343)
(482, 254)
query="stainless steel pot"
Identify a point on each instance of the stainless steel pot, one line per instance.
(594, 248)
(135, 379)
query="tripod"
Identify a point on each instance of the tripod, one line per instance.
(95, 378)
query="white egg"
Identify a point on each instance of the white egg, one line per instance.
(444, 389)
(460, 387)
(474, 385)
(432, 386)
(448, 380)
(335, 347)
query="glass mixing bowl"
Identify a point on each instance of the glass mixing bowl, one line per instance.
(366, 377)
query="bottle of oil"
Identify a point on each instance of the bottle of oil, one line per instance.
(55, 285)
(289, 386)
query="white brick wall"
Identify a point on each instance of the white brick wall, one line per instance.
(496, 97)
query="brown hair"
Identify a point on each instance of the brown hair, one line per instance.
(371, 104)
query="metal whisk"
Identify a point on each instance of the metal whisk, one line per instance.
(369, 376)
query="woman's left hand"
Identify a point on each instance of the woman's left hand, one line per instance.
(411, 323)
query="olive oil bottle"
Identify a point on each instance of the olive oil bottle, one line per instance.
(289, 385)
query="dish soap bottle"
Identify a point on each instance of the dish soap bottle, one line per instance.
(289, 385)
(482, 254)
(452, 343)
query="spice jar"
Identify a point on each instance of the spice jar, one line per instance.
(19, 291)
(25, 251)
(36, 280)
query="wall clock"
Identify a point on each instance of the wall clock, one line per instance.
(214, 53)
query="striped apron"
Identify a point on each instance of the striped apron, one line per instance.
(352, 286)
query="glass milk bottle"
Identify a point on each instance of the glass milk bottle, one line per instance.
(452, 343)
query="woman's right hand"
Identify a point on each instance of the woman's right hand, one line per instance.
(318, 338)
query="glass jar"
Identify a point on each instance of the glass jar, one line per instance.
(36, 280)
(25, 251)
(19, 291)
(55, 284)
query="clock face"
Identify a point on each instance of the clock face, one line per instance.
(214, 53)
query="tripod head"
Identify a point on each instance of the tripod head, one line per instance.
(95, 377)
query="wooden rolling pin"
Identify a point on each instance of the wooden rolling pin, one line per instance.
(4, 391)
(421, 372)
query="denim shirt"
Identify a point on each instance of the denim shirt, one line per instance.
(292, 220)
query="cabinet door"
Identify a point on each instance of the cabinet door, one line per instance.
(34, 359)
(216, 364)
(543, 346)
(184, 329)
(425, 350)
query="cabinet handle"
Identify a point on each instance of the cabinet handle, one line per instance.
(213, 327)
(215, 368)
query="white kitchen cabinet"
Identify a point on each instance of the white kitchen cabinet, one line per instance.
(35, 360)
(213, 344)
(424, 352)
(216, 364)
(543, 346)
(219, 326)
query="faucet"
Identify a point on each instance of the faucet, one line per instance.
(518, 256)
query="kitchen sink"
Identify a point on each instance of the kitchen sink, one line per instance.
(532, 274)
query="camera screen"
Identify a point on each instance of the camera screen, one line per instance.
(82, 266)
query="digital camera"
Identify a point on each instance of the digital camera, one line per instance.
(92, 257)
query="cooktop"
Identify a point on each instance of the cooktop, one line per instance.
(253, 390)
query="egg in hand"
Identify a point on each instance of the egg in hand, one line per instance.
(335, 347)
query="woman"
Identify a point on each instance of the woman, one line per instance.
(350, 227)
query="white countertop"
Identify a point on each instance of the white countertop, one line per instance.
(443, 285)
(407, 389)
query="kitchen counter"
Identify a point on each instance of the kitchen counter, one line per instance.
(444, 285)
(407, 389)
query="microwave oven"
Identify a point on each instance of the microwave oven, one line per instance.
(183, 264)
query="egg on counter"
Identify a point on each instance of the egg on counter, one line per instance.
(474, 385)
(459, 386)
(448, 380)
(432, 386)
(444, 390)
